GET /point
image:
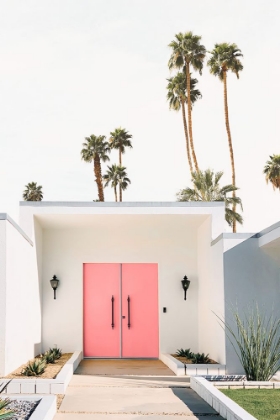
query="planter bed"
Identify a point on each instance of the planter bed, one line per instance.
(191, 369)
(41, 385)
(37, 407)
(51, 370)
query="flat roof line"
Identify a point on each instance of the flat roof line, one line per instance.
(5, 216)
(122, 204)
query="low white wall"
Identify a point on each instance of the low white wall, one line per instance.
(250, 276)
(22, 336)
(169, 241)
(2, 294)
(210, 294)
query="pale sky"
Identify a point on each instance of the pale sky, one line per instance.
(69, 69)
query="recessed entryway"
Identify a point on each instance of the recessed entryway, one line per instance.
(121, 310)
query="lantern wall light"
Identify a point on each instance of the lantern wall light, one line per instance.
(54, 283)
(185, 284)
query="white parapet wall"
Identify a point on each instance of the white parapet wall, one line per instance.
(227, 408)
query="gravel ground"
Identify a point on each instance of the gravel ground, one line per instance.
(22, 409)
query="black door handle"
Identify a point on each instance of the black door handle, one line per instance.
(113, 301)
(128, 311)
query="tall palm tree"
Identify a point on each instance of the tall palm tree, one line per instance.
(272, 171)
(112, 177)
(96, 149)
(206, 187)
(120, 139)
(226, 57)
(177, 98)
(188, 51)
(32, 192)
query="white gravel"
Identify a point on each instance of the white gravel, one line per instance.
(22, 409)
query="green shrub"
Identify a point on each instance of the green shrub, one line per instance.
(57, 352)
(4, 413)
(199, 358)
(256, 343)
(34, 368)
(185, 353)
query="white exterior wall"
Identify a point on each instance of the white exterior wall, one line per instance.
(250, 276)
(22, 312)
(167, 240)
(2, 294)
(211, 294)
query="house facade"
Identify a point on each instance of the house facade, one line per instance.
(120, 267)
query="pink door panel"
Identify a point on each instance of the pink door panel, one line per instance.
(101, 283)
(140, 325)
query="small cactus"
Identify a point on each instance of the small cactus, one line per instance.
(34, 368)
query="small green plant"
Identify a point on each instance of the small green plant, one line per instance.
(199, 358)
(56, 352)
(255, 338)
(4, 413)
(34, 368)
(185, 353)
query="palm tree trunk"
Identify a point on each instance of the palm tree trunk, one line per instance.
(230, 145)
(186, 134)
(120, 163)
(190, 115)
(116, 195)
(98, 178)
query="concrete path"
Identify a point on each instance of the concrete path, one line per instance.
(128, 397)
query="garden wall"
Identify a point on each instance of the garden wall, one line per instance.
(250, 276)
(20, 311)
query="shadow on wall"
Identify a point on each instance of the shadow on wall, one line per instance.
(250, 276)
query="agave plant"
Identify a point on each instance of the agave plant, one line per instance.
(199, 358)
(49, 357)
(34, 368)
(4, 413)
(185, 353)
(56, 352)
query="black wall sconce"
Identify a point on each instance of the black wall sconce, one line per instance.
(54, 283)
(185, 284)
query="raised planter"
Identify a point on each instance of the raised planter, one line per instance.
(45, 386)
(181, 369)
(45, 410)
(227, 408)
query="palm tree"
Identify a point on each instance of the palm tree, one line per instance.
(225, 57)
(272, 171)
(206, 188)
(33, 192)
(96, 149)
(117, 175)
(187, 51)
(123, 180)
(112, 177)
(120, 139)
(177, 98)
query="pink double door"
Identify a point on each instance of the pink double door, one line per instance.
(121, 310)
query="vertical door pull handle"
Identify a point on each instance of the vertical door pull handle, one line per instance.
(128, 311)
(113, 301)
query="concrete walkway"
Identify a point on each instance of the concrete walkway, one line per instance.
(118, 397)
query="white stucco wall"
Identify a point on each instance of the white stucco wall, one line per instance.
(22, 304)
(250, 276)
(211, 294)
(170, 241)
(2, 294)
